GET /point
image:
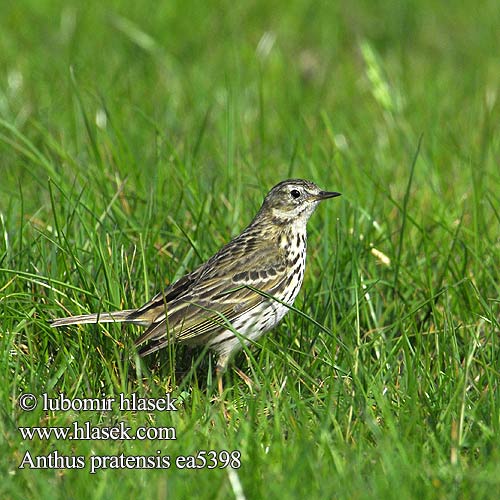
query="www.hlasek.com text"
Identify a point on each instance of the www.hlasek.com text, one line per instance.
(87, 432)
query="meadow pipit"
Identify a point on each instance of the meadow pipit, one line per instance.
(247, 286)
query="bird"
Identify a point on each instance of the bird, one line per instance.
(238, 294)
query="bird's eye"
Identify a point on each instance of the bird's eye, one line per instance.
(295, 193)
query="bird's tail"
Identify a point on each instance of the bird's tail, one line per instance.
(126, 316)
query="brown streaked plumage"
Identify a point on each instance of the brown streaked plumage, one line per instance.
(247, 286)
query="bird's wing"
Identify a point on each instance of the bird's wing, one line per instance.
(220, 291)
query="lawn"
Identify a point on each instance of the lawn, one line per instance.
(138, 138)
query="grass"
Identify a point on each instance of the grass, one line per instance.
(136, 140)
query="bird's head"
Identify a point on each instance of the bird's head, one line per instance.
(293, 201)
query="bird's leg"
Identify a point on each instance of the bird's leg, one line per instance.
(219, 371)
(250, 383)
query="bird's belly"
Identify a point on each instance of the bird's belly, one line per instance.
(256, 322)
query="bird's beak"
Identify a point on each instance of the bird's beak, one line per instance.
(324, 195)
